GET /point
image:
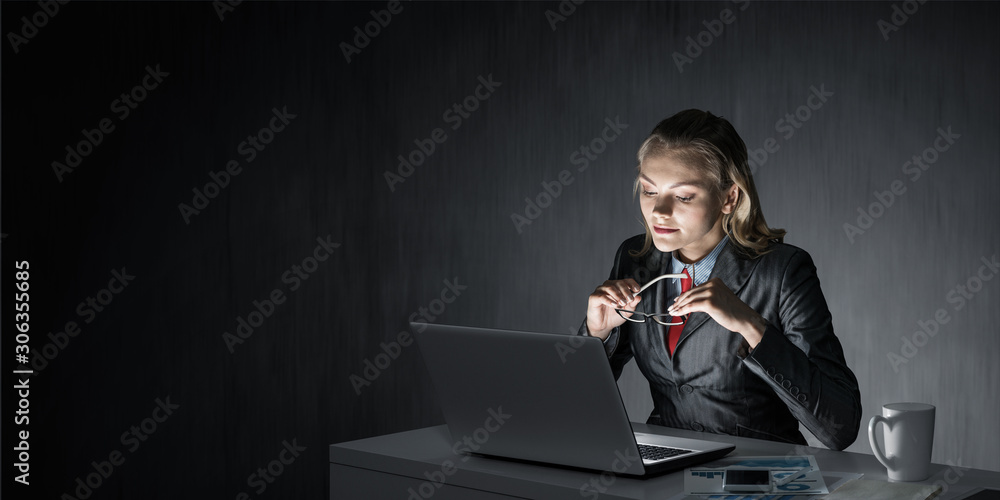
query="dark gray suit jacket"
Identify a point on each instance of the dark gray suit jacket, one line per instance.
(797, 373)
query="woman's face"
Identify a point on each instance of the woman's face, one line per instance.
(682, 210)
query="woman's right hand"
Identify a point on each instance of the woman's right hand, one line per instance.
(601, 305)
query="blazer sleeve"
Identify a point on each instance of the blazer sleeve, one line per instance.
(617, 344)
(803, 361)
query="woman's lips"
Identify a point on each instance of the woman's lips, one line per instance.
(663, 230)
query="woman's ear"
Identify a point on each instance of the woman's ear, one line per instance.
(732, 197)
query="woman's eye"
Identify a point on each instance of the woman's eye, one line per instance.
(648, 193)
(685, 199)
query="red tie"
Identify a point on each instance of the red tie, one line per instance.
(674, 334)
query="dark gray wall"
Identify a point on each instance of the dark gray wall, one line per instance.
(324, 177)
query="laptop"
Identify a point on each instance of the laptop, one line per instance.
(544, 398)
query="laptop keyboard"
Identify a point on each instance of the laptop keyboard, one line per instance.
(655, 453)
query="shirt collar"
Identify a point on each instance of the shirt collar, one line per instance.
(702, 269)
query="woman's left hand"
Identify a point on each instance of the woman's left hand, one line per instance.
(718, 301)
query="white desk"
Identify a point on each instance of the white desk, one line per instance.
(410, 465)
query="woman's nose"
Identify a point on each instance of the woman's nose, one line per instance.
(663, 207)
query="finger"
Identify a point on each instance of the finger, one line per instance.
(682, 298)
(686, 305)
(627, 304)
(602, 297)
(674, 308)
(624, 293)
(701, 291)
(631, 305)
(683, 295)
(614, 300)
(678, 310)
(630, 291)
(611, 294)
(704, 286)
(633, 285)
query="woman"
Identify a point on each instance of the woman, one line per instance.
(750, 349)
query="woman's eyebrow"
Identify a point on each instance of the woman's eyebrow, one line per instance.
(696, 184)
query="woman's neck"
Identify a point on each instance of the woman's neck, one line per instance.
(701, 248)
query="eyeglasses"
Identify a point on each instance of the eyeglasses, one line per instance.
(664, 319)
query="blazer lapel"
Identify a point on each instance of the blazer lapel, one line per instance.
(656, 329)
(657, 260)
(734, 270)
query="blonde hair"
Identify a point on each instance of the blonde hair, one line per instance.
(711, 145)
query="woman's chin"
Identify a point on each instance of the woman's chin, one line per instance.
(663, 246)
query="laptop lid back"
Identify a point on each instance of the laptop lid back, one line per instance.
(531, 396)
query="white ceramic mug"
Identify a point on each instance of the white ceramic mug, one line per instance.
(909, 436)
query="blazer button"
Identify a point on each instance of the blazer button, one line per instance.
(779, 377)
(786, 384)
(687, 389)
(794, 390)
(770, 372)
(698, 427)
(802, 398)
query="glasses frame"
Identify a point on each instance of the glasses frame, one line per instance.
(655, 316)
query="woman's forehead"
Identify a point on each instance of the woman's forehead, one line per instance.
(664, 170)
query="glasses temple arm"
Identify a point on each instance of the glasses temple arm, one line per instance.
(658, 278)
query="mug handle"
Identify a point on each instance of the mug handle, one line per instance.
(871, 438)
